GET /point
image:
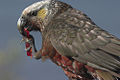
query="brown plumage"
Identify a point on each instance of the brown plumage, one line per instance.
(71, 40)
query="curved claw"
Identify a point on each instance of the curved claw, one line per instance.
(32, 42)
(37, 54)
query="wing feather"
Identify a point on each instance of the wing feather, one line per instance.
(75, 35)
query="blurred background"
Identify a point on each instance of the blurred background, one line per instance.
(15, 65)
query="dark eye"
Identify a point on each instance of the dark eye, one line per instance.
(33, 13)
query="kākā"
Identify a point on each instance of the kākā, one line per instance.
(71, 40)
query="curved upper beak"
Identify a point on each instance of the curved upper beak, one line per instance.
(21, 24)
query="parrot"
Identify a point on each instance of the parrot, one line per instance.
(71, 40)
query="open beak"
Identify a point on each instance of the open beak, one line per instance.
(27, 38)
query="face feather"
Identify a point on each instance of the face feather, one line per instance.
(42, 13)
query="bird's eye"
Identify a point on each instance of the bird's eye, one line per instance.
(32, 13)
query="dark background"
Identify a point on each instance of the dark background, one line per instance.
(15, 65)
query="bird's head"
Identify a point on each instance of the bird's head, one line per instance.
(34, 16)
(37, 16)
